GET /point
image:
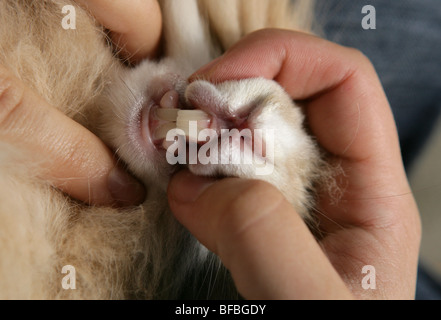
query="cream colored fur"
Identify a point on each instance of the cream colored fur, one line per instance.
(138, 252)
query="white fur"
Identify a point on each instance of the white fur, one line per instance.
(139, 252)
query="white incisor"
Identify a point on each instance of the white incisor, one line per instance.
(181, 119)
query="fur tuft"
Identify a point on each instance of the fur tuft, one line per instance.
(140, 252)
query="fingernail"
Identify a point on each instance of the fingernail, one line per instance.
(125, 189)
(185, 187)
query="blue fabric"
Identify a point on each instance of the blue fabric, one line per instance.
(405, 49)
(428, 285)
(406, 52)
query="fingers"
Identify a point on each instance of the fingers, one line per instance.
(258, 236)
(75, 160)
(135, 26)
(346, 107)
(349, 114)
(337, 82)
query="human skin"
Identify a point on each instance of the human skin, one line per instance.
(79, 163)
(135, 29)
(268, 249)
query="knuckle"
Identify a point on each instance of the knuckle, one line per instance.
(11, 96)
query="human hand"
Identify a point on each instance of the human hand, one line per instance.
(73, 159)
(268, 249)
(135, 28)
(76, 161)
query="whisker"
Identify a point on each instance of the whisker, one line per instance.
(128, 87)
(218, 266)
(204, 280)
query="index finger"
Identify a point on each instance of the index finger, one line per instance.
(315, 70)
(135, 27)
(346, 107)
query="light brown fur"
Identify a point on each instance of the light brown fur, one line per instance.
(117, 254)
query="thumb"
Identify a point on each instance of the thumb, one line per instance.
(258, 236)
(74, 159)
